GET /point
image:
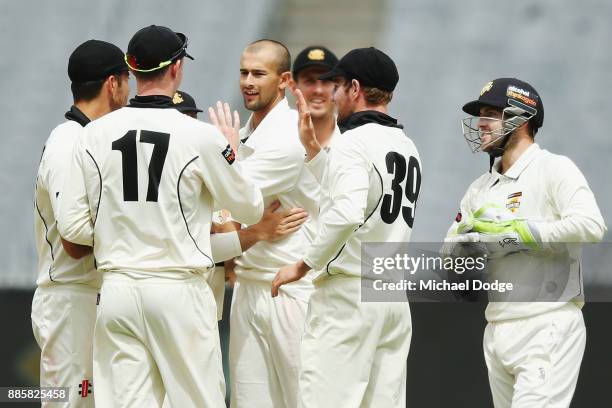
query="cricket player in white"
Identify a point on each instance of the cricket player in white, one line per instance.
(228, 241)
(530, 202)
(354, 353)
(64, 304)
(265, 333)
(140, 191)
(308, 66)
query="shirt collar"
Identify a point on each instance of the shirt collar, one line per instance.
(369, 116)
(151, 101)
(77, 115)
(520, 165)
(248, 131)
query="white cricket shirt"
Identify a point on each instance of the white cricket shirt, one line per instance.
(273, 158)
(141, 189)
(551, 192)
(55, 266)
(369, 188)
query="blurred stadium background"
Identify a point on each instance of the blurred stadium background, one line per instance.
(445, 51)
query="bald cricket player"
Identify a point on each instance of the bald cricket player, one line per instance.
(265, 333)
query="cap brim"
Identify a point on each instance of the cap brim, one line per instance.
(183, 38)
(333, 73)
(473, 107)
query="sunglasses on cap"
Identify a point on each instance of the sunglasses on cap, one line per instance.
(131, 62)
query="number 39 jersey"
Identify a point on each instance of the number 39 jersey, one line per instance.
(369, 191)
(141, 188)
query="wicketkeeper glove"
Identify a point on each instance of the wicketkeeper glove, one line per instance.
(462, 245)
(503, 233)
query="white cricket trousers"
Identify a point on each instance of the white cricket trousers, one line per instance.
(535, 361)
(265, 336)
(157, 336)
(63, 318)
(354, 353)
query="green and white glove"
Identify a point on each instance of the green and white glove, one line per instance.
(461, 242)
(503, 233)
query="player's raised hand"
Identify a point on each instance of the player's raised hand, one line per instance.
(222, 119)
(288, 274)
(305, 126)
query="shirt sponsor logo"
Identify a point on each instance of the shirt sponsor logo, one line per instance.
(228, 154)
(514, 201)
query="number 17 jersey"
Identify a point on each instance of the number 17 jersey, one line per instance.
(141, 188)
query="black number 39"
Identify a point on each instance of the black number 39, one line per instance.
(392, 203)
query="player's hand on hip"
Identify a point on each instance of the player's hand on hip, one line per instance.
(288, 274)
(230, 126)
(305, 126)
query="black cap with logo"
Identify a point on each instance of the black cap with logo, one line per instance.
(315, 55)
(155, 47)
(504, 92)
(95, 60)
(183, 102)
(370, 66)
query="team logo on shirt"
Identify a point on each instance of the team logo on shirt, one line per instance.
(85, 388)
(228, 154)
(514, 201)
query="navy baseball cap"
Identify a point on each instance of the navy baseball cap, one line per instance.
(183, 102)
(370, 66)
(498, 94)
(155, 47)
(95, 60)
(315, 55)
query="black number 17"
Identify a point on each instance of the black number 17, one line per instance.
(129, 162)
